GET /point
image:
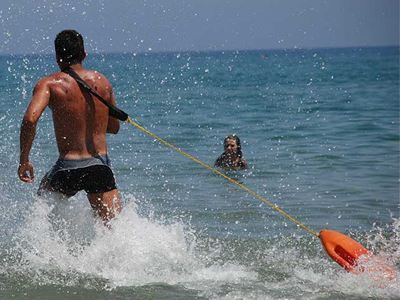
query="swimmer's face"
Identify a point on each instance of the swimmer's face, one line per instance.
(231, 146)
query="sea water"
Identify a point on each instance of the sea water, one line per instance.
(319, 129)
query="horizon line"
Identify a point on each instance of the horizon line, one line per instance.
(209, 50)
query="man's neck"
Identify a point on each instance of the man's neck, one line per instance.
(75, 67)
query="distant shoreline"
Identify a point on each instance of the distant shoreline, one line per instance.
(210, 51)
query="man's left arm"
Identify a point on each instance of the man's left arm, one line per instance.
(40, 100)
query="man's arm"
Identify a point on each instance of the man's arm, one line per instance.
(40, 100)
(113, 123)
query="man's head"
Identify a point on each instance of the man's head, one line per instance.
(69, 48)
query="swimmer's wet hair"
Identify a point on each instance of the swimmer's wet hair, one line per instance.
(236, 138)
(69, 47)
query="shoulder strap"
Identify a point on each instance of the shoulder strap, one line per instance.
(114, 111)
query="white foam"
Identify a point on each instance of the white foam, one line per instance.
(136, 251)
(61, 243)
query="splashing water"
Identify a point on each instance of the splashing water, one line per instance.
(136, 251)
(61, 243)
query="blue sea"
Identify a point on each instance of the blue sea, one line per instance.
(319, 129)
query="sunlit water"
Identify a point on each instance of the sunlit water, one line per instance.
(319, 128)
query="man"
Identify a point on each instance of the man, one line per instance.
(81, 123)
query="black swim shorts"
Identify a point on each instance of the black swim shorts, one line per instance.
(93, 175)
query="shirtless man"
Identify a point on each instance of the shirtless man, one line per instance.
(80, 123)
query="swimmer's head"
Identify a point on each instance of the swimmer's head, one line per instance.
(232, 145)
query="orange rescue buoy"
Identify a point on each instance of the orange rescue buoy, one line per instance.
(344, 250)
(354, 257)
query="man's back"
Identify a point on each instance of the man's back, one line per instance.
(80, 120)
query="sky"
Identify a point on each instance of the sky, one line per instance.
(28, 26)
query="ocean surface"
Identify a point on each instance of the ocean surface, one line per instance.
(319, 129)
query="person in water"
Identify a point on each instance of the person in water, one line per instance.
(80, 123)
(232, 158)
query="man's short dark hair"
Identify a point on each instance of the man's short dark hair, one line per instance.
(69, 47)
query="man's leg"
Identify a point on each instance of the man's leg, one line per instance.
(107, 205)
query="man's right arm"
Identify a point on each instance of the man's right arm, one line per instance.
(113, 123)
(40, 100)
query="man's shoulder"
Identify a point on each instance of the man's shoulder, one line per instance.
(95, 73)
(45, 82)
(51, 78)
(95, 77)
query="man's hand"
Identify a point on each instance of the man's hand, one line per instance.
(25, 172)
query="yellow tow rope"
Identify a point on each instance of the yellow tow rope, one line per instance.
(243, 187)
